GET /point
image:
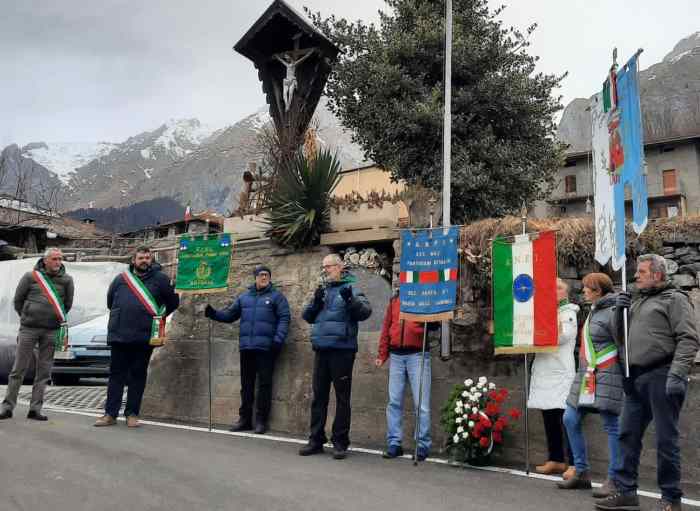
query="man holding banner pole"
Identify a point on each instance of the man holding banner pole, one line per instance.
(138, 300)
(42, 299)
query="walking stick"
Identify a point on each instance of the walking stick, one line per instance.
(420, 394)
(209, 374)
(526, 416)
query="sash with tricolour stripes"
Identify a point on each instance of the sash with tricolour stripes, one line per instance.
(49, 291)
(146, 298)
(594, 360)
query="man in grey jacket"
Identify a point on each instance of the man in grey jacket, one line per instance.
(663, 342)
(42, 299)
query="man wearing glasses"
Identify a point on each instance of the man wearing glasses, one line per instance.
(42, 299)
(334, 314)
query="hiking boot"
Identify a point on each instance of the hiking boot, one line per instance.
(339, 453)
(6, 414)
(580, 481)
(311, 448)
(260, 428)
(665, 505)
(36, 416)
(393, 451)
(551, 467)
(618, 501)
(132, 421)
(241, 425)
(105, 420)
(606, 490)
(570, 472)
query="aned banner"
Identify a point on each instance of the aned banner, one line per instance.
(428, 279)
(203, 263)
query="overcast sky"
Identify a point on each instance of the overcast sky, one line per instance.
(80, 70)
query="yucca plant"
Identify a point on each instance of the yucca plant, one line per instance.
(300, 203)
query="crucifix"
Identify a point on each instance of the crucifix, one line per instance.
(290, 60)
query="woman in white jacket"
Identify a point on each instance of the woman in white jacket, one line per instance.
(552, 375)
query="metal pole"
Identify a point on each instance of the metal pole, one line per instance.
(209, 378)
(420, 393)
(624, 321)
(526, 387)
(447, 157)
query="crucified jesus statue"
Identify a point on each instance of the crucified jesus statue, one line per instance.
(290, 60)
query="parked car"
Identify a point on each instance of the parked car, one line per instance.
(88, 353)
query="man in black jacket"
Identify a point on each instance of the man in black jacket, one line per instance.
(663, 342)
(42, 299)
(131, 298)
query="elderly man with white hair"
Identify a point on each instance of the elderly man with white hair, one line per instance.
(663, 342)
(42, 299)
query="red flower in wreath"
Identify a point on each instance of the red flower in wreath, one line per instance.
(498, 437)
(492, 409)
(486, 423)
(498, 426)
(492, 394)
(514, 413)
(484, 442)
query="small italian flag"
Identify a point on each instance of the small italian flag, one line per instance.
(428, 277)
(610, 92)
(524, 291)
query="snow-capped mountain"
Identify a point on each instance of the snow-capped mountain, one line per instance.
(62, 158)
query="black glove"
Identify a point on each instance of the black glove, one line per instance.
(209, 312)
(275, 348)
(346, 293)
(318, 295)
(676, 386)
(623, 300)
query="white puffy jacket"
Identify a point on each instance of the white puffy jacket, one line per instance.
(553, 373)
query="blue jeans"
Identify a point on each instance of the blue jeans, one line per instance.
(402, 368)
(573, 418)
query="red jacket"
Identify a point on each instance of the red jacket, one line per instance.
(398, 333)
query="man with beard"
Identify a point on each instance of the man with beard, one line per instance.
(138, 300)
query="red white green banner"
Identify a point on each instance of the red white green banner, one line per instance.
(146, 298)
(49, 291)
(428, 277)
(524, 293)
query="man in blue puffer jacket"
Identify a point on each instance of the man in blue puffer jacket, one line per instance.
(264, 315)
(334, 313)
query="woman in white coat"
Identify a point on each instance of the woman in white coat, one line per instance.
(552, 375)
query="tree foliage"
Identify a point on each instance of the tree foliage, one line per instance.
(388, 88)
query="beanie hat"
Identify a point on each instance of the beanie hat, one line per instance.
(261, 267)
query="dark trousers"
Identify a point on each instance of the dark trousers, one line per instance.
(128, 367)
(256, 365)
(645, 400)
(332, 366)
(556, 435)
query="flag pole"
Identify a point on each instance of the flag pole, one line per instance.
(526, 391)
(447, 158)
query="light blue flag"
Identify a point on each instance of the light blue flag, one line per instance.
(631, 172)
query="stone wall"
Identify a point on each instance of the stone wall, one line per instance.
(178, 379)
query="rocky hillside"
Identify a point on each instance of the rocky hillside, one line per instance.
(182, 160)
(26, 179)
(670, 97)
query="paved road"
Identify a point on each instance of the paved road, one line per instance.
(68, 465)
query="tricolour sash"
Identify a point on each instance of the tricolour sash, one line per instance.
(146, 298)
(594, 360)
(49, 291)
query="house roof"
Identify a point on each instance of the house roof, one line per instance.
(64, 227)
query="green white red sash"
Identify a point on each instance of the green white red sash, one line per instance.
(146, 298)
(594, 360)
(49, 291)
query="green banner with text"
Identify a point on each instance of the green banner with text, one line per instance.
(203, 263)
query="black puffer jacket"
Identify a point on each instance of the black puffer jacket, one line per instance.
(31, 303)
(609, 391)
(128, 320)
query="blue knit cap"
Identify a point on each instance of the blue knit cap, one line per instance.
(261, 267)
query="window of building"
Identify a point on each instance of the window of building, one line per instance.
(570, 163)
(670, 182)
(570, 184)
